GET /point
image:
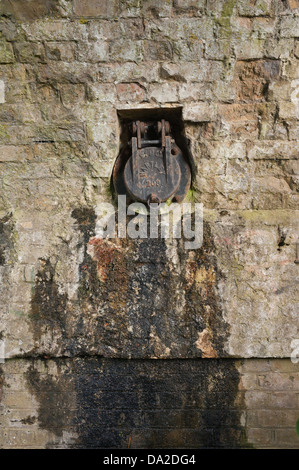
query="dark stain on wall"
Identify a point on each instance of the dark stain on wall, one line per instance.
(116, 403)
(141, 303)
(86, 219)
(55, 396)
(158, 404)
(135, 304)
(48, 306)
(134, 300)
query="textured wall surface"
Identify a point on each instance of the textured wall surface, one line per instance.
(143, 343)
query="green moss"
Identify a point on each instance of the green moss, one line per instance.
(191, 196)
(6, 53)
(4, 135)
(224, 21)
(269, 217)
(228, 8)
(83, 20)
(109, 191)
(263, 7)
(210, 215)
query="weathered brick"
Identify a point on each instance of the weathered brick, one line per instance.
(259, 8)
(257, 400)
(187, 29)
(161, 50)
(260, 437)
(131, 92)
(61, 51)
(283, 400)
(287, 110)
(55, 30)
(183, 72)
(278, 365)
(30, 52)
(96, 8)
(221, 8)
(289, 26)
(6, 53)
(277, 418)
(102, 92)
(156, 8)
(123, 51)
(201, 112)
(252, 365)
(194, 7)
(71, 93)
(23, 10)
(278, 149)
(187, 51)
(21, 438)
(19, 400)
(93, 52)
(248, 382)
(286, 438)
(218, 50)
(278, 49)
(195, 92)
(290, 69)
(293, 128)
(128, 72)
(147, 9)
(293, 4)
(163, 93)
(130, 29)
(273, 381)
(264, 27)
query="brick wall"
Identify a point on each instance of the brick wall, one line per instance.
(220, 319)
(205, 403)
(270, 389)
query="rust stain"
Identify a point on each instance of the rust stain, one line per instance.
(103, 252)
(204, 343)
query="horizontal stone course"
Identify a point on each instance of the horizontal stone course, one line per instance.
(83, 387)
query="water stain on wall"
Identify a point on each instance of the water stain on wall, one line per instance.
(125, 287)
(48, 306)
(159, 404)
(136, 303)
(111, 403)
(55, 396)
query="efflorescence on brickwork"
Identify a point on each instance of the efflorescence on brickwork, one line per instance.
(142, 343)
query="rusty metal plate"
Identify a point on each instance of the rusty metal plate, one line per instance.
(152, 179)
(152, 168)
